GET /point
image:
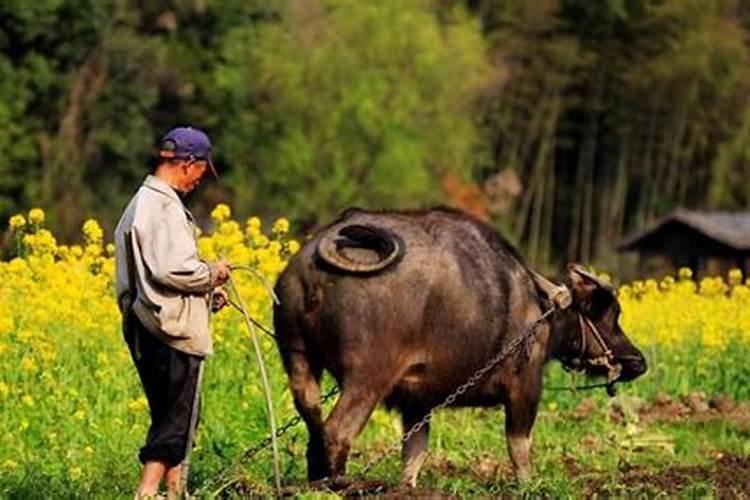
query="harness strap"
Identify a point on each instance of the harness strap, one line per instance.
(597, 335)
(605, 359)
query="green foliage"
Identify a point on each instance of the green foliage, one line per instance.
(608, 112)
(620, 106)
(730, 188)
(345, 103)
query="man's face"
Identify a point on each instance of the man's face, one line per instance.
(191, 173)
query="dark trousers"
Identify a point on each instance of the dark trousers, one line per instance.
(169, 378)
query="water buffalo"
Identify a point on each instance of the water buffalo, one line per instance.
(402, 307)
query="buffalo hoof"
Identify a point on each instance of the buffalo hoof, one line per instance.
(523, 475)
(318, 466)
(331, 484)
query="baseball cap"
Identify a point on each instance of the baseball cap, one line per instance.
(187, 143)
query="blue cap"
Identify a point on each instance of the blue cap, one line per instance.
(187, 143)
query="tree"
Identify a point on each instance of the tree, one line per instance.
(612, 114)
(345, 102)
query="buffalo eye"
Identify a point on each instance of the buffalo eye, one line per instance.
(600, 302)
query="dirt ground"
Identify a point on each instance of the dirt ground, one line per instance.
(729, 475)
(729, 478)
(726, 475)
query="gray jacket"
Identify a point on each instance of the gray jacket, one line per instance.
(156, 260)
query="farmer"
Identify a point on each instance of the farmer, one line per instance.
(165, 292)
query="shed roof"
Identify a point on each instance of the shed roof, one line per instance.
(728, 228)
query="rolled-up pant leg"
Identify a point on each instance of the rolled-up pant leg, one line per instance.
(169, 378)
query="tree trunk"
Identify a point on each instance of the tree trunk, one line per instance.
(581, 232)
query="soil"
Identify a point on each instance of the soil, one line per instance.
(732, 477)
(642, 481)
(728, 477)
(696, 407)
(693, 407)
(351, 488)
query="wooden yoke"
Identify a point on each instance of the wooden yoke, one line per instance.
(559, 294)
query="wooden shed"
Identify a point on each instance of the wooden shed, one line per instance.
(709, 243)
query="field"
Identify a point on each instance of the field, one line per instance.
(72, 415)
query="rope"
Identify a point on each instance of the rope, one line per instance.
(260, 327)
(576, 388)
(224, 476)
(260, 277)
(264, 379)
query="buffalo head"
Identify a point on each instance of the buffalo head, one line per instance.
(597, 344)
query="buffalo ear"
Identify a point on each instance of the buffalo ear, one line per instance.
(581, 283)
(590, 291)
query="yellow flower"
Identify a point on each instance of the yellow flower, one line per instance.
(260, 241)
(17, 222)
(138, 404)
(4, 389)
(36, 216)
(28, 365)
(28, 401)
(735, 277)
(79, 415)
(92, 231)
(10, 465)
(666, 283)
(254, 222)
(281, 226)
(253, 227)
(293, 246)
(48, 354)
(221, 212)
(75, 473)
(685, 273)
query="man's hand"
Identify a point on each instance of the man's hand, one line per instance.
(221, 272)
(220, 300)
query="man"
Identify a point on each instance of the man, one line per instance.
(165, 293)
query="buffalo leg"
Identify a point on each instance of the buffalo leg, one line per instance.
(348, 417)
(520, 413)
(414, 450)
(303, 380)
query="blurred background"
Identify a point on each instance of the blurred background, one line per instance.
(615, 132)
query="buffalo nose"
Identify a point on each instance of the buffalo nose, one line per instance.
(633, 367)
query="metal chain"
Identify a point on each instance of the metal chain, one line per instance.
(461, 389)
(450, 399)
(260, 446)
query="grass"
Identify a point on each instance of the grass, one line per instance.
(81, 436)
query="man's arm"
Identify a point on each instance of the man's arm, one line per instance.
(169, 251)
